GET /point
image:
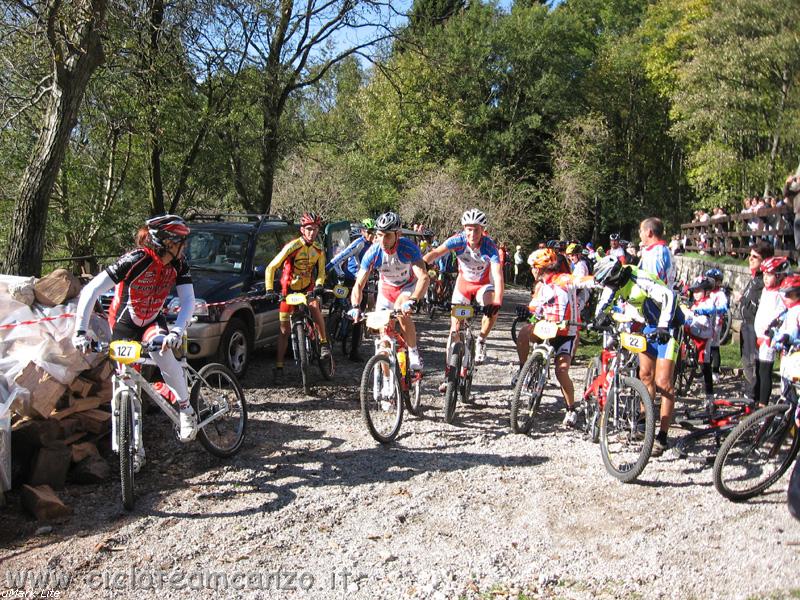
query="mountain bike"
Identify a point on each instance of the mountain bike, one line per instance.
(460, 361)
(762, 447)
(616, 396)
(215, 395)
(339, 323)
(387, 383)
(523, 317)
(687, 367)
(439, 292)
(305, 341)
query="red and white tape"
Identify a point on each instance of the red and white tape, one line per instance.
(36, 321)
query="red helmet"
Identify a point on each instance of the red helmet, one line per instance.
(778, 265)
(310, 218)
(791, 284)
(166, 227)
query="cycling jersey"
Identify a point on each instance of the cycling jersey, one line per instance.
(700, 327)
(143, 283)
(473, 264)
(353, 255)
(555, 300)
(395, 266)
(721, 309)
(770, 313)
(619, 252)
(657, 259)
(581, 270)
(654, 301)
(298, 259)
(791, 322)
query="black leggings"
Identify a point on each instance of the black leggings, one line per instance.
(715, 359)
(708, 380)
(763, 385)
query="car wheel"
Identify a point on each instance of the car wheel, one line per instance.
(235, 347)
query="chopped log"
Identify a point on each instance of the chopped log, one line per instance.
(78, 435)
(78, 405)
(101, 373)
(95, 421)
(83, 450)
(51, 465)
(43, 503)
(81, 387)
(56, 288)
(44, 392)
(92, 469)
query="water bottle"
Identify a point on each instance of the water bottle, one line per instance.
(402, 357)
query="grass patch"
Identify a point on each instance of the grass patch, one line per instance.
(722, 260)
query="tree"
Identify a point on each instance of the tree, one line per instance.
(72, 34)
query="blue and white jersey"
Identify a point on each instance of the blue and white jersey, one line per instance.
(657, 259)
(395, 267)
(721, 307)
(353, 255)
(473, 265)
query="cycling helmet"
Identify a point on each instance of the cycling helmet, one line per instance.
(778, 265)
(310, 218)
(166, 227)
(388, 221)
(542, 258)
(574, 249)
(714, 274)
(702, 283)
(552, 244)
(608, 271)
(474, 217)
(614, 237)
(791, 284)
(368, 224)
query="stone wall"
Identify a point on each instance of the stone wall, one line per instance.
(686, 269)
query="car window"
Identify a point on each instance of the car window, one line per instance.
(287, 235)
(266, 249)
(216, 251)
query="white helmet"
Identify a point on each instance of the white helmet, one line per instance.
(474, 217)
(389, 221)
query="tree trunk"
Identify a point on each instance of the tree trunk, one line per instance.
(776, 134)
(156, 20)
(269, 158)
(74, 63)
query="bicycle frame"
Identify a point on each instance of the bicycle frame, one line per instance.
(389, 342)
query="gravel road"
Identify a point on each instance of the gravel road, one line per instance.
(313, 507)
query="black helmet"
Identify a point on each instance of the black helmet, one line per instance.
(167, 228)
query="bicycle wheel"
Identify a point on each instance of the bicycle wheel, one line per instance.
(302, 354)
(528, 393)
(218, 389)
(333, 323)
(686, 372)
(414, 394)
(466, 382)
(624, 446)
(125, 446)
(381, 399)
(756, 453)
(515, 327)
(725, 334)
(326, 365)
(591, 412)
(347, 335)
(453, 385)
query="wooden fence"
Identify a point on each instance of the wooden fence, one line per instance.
(732, 235)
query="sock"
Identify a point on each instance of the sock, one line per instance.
(278, 365)
(662, 437)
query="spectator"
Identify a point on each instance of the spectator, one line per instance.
(791, 195)
(675, 245)
(748, 305)
(519, 265)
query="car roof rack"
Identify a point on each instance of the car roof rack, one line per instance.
(234, 217)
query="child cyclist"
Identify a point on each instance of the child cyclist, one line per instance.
(554, 300)
(769, 316)
(789, 333)
(142, 279)
(699, 326)
(720, 299)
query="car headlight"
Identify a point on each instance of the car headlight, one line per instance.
(200, 307)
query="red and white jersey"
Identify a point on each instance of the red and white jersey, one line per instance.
(771, 310)
(555, 300)
(143, 284)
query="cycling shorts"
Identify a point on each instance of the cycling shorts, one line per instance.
(667, 351)
(467, 291)
(388, 294)
(126, 329)
(563, 344)
(285, 310)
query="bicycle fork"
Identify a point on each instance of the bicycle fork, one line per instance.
(136, 405)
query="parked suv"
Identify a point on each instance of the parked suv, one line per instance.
(228, 254)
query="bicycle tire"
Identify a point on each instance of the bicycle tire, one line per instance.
(515, 326)
(216, 384)
(333, 323)
(125, 443)
(382, 416)
(453, 385)
(727, 330)
(686, 373)
(414, 395)
(738, 455)
(302, 358)
(350, 343)
(466, 385)
(625, 455)
(591, 409)
(528, 393)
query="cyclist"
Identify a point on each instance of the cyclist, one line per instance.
(480, 274)
(659, 307)
(142, 280)
(721, 306)
(403, 279)
(700, 328)
(554, 300)
(298, 259)
(353, 255)
(656, 256)
(580, 269)
(769, 316)
(616, 249)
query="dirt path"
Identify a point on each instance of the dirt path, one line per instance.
(312, 507)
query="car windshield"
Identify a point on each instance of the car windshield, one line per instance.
(217, 251)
